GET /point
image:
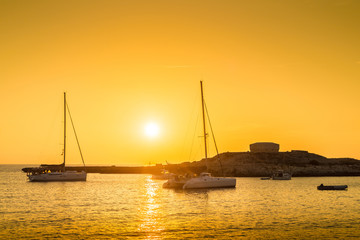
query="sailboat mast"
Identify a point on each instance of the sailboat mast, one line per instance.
(203, 115)
(64, 130)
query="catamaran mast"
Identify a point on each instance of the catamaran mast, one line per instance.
(203, 115)
(64, 130)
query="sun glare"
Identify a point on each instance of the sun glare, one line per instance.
(152, 130)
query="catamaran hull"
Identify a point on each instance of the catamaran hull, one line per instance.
(210, 182)
(58, 177)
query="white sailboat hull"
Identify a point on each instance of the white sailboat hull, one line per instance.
(210, 182)
(280, 175)
(58, 176)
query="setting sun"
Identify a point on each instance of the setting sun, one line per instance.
(139, 66)
(152, 130)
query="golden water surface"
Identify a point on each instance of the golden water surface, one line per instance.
(111, 206)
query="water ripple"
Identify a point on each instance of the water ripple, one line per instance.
(135, 206)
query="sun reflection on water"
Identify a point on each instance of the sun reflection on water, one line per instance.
(151, 224)
(137, 207)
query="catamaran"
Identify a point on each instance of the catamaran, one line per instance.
(49, 173)
(204, 180)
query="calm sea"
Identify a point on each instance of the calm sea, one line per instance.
(112, 206)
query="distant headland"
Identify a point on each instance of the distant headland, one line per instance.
(262, 160)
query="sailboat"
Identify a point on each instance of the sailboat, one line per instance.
(49, 173)
(205, 180)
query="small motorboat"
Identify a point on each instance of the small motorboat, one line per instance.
(281, 175)
(265, 178)
(176, 181)
(164, 175)
(332, 187)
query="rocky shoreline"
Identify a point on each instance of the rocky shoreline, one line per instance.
(263, 164)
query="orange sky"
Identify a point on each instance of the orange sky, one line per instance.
(281, 71)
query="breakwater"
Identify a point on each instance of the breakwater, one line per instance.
(116, 169)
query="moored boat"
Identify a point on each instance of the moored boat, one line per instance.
(51, 173)
(176, 182)
(281, 175)
(332, 187)
(265, 178)
(164, 175)
(45, 175)
(205, 180)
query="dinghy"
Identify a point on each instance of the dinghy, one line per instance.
(332, 187)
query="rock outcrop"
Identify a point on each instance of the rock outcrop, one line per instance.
(261, 164)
